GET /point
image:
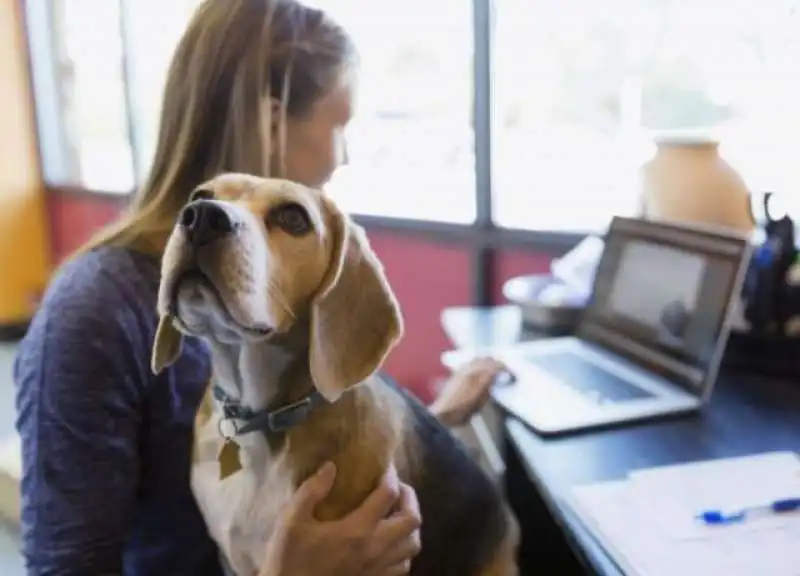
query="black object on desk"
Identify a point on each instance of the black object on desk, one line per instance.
(746, 415)
(771, 299)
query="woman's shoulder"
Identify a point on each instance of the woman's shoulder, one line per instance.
(97, 315)
(109, 294)
(104, 276)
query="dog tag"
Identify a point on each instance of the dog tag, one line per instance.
(229, 461)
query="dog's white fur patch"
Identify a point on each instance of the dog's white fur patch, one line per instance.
(240, 510)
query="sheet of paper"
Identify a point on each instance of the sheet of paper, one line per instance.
(605, 510)
(674, 495)
(629, 519)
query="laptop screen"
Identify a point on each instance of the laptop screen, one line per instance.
(661, 297)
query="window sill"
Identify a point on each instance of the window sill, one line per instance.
(101, 195)
(472, 235)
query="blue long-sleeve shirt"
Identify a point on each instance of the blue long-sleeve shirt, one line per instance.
(105, 443)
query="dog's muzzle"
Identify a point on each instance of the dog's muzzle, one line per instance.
(202, 223)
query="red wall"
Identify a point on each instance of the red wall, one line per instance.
(511, 263)
(74, 218)
(427, 277)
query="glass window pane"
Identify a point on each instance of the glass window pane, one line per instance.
(411, 142)
(92, 94)
(151, 43)
(579, 90)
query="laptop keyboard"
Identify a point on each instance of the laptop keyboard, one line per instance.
(588, 379)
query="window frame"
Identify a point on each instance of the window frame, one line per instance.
(483, 238)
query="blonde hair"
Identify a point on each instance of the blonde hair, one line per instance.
(238, 64)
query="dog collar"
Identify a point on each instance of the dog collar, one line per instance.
(274, 421)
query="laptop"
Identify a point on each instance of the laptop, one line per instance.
(650, 340)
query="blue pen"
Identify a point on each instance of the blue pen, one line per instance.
(718, 517)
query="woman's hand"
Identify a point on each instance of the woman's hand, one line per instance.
(378, 539)
(466, 392)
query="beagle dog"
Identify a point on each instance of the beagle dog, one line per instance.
(298, 317)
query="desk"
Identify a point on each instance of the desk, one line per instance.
(746, 415)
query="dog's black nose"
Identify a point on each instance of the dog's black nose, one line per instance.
(204, 221)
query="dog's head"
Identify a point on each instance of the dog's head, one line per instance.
(250, 257)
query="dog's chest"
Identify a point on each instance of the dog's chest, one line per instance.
(240, 511)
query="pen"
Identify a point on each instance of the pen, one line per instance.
(718, 517)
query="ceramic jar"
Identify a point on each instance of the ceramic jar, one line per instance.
(688, 181)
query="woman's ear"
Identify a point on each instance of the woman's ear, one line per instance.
(166, 346)
(355, 317)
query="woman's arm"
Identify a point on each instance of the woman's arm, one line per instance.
(78, 403)
(466, 392)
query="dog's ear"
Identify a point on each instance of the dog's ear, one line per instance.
(355, 318)
(166, 346)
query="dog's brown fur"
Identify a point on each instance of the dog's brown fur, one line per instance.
(361, 452)
(327, 298)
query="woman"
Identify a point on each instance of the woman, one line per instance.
(257, 86)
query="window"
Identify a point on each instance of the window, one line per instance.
(108, 60)
(95, 152)
(151, 41)
(411, 143)
(578, 90)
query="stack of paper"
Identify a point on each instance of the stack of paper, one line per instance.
(648, 522)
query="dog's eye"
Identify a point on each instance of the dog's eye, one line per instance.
(291, 218)
(201, 194)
